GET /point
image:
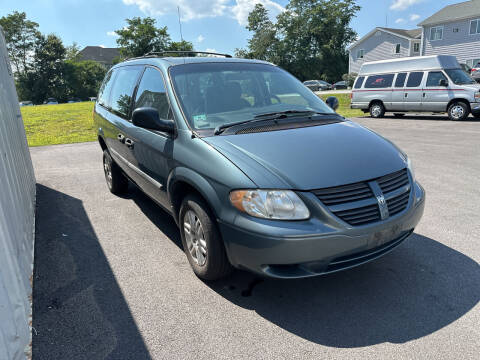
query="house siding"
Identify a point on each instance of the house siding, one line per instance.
(460, 44)
(378, 47)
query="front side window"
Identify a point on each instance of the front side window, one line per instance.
(397, 48)
(459, 77)
(475, 27)
(359, 82)
(215, 94)
(414, 79)
(151, 93)
(436, 33)
(400, 81)
(360, 54)
(434, 78)
(122, 91)
(379, 81)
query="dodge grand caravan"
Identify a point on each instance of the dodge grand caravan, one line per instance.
(417, 84)
(256, 170)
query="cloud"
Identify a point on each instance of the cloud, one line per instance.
(399, 21)
(242, 8)
(111, 33)
(197, 9)
(414, 17)
(200, 38)
(403, 4)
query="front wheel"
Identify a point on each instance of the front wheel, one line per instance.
(458, 111)
(377, 110)
(201, 240)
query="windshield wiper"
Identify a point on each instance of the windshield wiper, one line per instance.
(221, 128)
(280, 114)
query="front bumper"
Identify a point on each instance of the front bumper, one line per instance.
(313, 247)
(475, 107)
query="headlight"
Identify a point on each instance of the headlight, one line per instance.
(270, 204)
(477, 96)
(410, 167)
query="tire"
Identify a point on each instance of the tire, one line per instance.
(398, 115)
(377, 110)
(203, 246)
(458, 111)
(117, 182)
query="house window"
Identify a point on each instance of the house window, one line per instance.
(416, 47)
(360, 54)
(436, 33)
(473, 62)
(396, 49)
(475, 27)
(455, 30)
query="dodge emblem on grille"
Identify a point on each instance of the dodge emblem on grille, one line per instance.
(382, 205)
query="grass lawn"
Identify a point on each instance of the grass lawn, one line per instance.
(59, 124)
(344, 107)
(72, 123)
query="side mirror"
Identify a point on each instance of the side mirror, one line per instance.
(332, 101)
(443, 82)
(148, 118)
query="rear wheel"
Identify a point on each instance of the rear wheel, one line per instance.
(117, 182)
(201, 240)
(377, 110)
(458, 111)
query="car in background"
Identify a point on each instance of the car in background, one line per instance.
(340, 85)
(74, 100)
(26, 103)
(51, 101)
(317, 85)
(93, 98)
(475, 72)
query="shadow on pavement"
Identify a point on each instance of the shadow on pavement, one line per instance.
(79, 311)
(419, 288)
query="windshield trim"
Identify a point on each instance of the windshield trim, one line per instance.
(210, 131)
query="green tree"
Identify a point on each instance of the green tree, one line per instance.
(73, 52)
(141, 36)
(21, 36)
(83, 78)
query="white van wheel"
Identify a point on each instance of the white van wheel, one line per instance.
(458, 111)
(377, 110)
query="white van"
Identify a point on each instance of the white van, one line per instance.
(416, 84)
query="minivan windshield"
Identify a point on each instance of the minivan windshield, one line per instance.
(213, 95)
(459, 76)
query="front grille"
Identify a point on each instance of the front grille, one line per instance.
(357, 204)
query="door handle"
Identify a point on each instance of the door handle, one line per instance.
(120, 138)
(423, 94)
(406, 95)
(129, 143)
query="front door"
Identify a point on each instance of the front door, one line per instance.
(435, 96)
(413, 92)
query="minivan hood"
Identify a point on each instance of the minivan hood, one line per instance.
(311, 157)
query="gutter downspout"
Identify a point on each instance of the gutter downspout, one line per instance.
(421, 40)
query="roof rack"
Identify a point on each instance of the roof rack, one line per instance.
(189, 52)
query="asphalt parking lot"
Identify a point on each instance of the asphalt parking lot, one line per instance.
(111, 280)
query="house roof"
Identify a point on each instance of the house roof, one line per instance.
(463, 10)
(99, 54)
(406, 34)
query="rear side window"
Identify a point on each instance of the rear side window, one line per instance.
(434, 78)
(400, 81)
(359, 82)
(104, 93)
(151, 93)
(122, 91)
(379, 81)
(415, 79)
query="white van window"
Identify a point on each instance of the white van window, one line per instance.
(359, 82)
(415, 79)
(400, 81)
(379, 81)
(434, 78)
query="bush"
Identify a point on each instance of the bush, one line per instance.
(349, 78)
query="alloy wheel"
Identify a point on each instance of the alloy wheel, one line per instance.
(107, 168)
(195, 237)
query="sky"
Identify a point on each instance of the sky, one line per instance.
(212, 25)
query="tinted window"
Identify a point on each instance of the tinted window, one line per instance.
(434, 78)
(400, 81)
(359, 82)
(104, 93)
(122, 91)
(151, 93)
(415, 79)
(379, 81)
